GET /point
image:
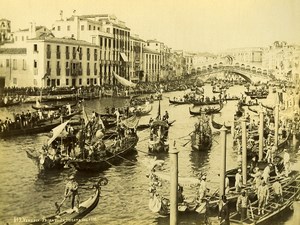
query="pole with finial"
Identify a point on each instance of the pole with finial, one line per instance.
(276, 114)
(261, 135)
(174, 185)
(223, 161)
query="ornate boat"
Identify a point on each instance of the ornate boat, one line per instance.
(201, 137)
(158, 142)
(70, 216)
(110, 155)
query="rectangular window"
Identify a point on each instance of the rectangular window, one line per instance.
(24, 64)
(15, 81)
(15, 66)
(35, 48)
(82, 27)
(34, 64)
(80, 81)
(7, 63)
(94, 28)
(58, 28)
(67, 82)
(22, 38)
(90, 27)
(101, 41)
(68, 27)
(94, 40)
(58, 82)
(88, 81)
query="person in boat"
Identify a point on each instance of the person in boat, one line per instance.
(180, 194)
(263, 197)
(166, 116)
(71, 191)
(238, 181)
(266, 173)
(257, 178)
(286, 162)
(277, 188)
(242, 204)
(269, 155)
(202, 189)
(224, 211)
(227, 187)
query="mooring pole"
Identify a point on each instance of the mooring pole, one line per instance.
(261, 135)
(276, 114)
(174, 186)
(223, 160)
(244, 150)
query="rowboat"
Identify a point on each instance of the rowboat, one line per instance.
(180, 102)
(147, 125)
(290, 190)
(70, 216)
(199, 103)
(50, 107)
(10, 103)
(40, 128)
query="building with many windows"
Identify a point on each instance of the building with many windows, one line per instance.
(136, 70)
(105, 31)
(151, 65)
(251, 55)
(49, 61)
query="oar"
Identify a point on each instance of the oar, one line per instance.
(59, 205)
(186, 143)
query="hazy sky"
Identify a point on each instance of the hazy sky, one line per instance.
(199, 25)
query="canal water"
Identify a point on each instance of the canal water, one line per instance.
(27, 193)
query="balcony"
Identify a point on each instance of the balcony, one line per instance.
(58, 55)
(48, 54)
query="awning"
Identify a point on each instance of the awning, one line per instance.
(124, 57)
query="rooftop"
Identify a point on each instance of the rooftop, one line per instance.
(63, 41)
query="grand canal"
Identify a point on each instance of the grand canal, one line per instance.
(25, 192)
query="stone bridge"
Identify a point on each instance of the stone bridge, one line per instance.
(250, 72)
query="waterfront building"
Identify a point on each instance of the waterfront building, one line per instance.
(49, 61)
(151, 65)
(252, 55)
(188, 63)
(278, 58)
(106, 31)
(136, 69)
(5, 30)
(177, 64)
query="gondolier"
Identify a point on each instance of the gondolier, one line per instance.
(71, 190)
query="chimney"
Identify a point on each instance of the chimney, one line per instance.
(32, 29)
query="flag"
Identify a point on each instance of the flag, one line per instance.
(100, 121)
(57, 130)
(85, 117)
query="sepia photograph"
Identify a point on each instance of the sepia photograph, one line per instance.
(150, 112)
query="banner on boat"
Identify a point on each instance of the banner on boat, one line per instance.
(56, 131)
(123, 81)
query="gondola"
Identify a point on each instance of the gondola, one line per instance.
(252, 110)
(70, 216)
(248, 104)
(206, 111)
(199, 103)
(146, 126)
(258, 96)
(179, 102)
(40, 128)
(268, 107)
(158, 142)
(218, 126)
(50, 107)
(111, 157)
(9, 103)
(290, 192)
(142, 111)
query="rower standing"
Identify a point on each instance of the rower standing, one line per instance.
(262, 196)
(286, 163)
(71, 190)
(242, 204)
(238, 180)
(202, 189)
